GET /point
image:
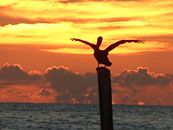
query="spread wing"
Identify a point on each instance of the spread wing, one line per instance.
(114, 45)
(85, 42)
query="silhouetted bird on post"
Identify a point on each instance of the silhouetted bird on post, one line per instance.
(102, 55)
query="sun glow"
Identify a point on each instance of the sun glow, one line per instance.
(141, 103)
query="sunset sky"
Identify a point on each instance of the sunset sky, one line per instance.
(39, 62)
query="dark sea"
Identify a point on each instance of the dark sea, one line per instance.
(30, 116)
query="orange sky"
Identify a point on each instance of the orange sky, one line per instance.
(36, 35)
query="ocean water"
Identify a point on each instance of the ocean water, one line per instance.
(29, 116)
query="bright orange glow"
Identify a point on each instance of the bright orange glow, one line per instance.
(140, 103)
(45, 25)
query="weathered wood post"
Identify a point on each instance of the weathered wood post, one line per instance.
(105, 98)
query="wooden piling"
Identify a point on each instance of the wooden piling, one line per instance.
(105, 98)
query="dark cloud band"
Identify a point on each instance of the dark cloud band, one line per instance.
(72, 86)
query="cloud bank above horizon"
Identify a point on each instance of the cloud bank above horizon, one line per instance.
(59, 84)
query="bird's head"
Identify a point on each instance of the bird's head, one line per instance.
(99, 41)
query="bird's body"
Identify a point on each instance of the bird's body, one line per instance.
(102, 55)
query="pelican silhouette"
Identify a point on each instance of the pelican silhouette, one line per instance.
(102, 55)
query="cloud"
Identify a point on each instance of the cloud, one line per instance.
(8, 19)
(74, 1)
(140, 85)
(61, 85)
(5, 20)
(14, 74)
(70, 1)
(94, 20)
(142, 77)
(18, 16)
(168, 38)
(16, 85)
(72, 85)
(114, 27)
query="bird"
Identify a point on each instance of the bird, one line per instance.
(102, 55)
